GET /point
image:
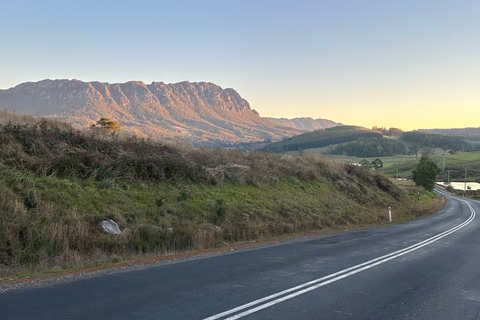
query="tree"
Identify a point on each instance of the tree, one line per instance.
(107, 125)
(444, 149)
(415, 149)
(395, 132)
(426, 173)
(377, 163)
(366, 164)
(428, 151)
(453, 150)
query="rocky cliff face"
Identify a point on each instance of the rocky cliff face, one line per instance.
(200, 113)
(305, 124)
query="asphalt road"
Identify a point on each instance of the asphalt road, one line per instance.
(425, 269)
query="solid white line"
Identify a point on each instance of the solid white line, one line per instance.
(295, 294)
(320, 282)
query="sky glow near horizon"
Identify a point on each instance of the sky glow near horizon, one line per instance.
(406, 64)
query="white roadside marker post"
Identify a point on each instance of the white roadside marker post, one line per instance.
(390, 213)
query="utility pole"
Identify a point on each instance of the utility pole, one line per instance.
(448, 177)
(465, 187)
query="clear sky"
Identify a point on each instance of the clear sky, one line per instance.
(404, 63)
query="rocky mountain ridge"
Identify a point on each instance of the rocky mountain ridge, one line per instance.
(200, 113)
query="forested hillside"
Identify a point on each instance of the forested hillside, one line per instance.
(322, 138)
(372, 147)
(426, 139)
(360, 142)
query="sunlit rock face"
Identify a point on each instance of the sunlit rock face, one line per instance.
(201, 113)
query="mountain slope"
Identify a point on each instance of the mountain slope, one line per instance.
(200, 113)
(305, 123)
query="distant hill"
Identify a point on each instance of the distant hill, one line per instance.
(322, 138)
(370, 147)
(201, 113)
(305, 124)
(436, 140)
(465, 133)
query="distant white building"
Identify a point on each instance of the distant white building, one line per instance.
(461, 185)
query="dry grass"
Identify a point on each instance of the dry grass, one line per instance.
(57, 184)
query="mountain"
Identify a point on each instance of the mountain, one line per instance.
(201, 113)
(304, 124)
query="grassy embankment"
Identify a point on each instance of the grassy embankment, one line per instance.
(58, 184)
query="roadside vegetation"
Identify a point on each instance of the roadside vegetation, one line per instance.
(57, 184)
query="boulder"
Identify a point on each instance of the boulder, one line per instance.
(110, 226)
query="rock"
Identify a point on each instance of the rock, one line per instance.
(216, 228)
(340, 185)
(110, 226)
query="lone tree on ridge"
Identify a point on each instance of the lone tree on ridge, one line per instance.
(108, 125)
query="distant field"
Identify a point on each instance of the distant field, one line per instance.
(456, 164)
(387, 161)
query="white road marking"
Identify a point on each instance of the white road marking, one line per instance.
(320, 282)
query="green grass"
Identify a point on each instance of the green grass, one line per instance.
(456, 164)
(53, 223)
(57, 185)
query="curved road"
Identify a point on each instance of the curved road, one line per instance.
(425, 269)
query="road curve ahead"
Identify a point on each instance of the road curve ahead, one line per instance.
(425, 269)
